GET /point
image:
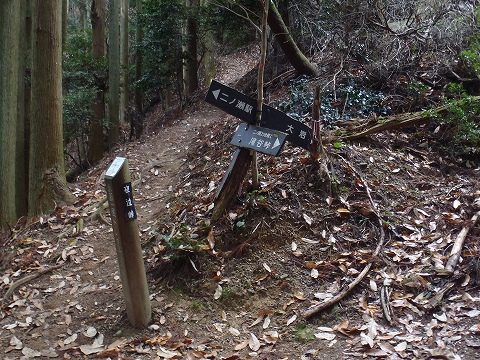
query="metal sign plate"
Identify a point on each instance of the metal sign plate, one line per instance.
(260, 139)
(232, 102)
(297, 132)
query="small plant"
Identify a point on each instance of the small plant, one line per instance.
(229, 296)
(181, 240)
(350, 100)
(303, 333)
(196, 305)
(463, 115)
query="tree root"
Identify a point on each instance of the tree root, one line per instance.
(26, 279)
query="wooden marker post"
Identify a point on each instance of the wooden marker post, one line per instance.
(127, 242)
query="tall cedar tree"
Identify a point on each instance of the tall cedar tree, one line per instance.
(95, 147)
(47, 184)
(9, 55)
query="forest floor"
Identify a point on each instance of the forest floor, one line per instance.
(237, 288)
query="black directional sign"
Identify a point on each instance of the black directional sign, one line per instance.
(260, 139)
(245, 108)
(232, 102)
(297, 132)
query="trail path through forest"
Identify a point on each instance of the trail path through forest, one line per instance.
(247, 302)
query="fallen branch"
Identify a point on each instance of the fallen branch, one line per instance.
(26, 279)
(438, 298)
(393, 122)
(340, 296)
(385, 302)
(458, 245)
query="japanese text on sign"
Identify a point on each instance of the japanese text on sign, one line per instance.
(130, 213)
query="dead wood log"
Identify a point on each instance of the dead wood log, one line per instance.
(458, 245)
(394, 122)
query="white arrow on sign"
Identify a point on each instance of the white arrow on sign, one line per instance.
(276, 143)
(216, 93)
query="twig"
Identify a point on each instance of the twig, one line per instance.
(385, 302)
(26, 279)
(326, 304)
(437, 299)
(458, 245)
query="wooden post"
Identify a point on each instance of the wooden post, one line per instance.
(232, 182)
(127, 242)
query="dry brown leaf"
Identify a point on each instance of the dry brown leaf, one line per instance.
(253, 342)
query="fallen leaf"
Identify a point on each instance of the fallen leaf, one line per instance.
(167, 354)
(309, 241)
(211, 238)
(270, 337)
(241, 346)
(30, 353)
(325, 336)
(233, 331)
(70, 339)
(266, 322)
(299, 295)
(90, 332)
(307, 219)
(254, 343)
(401, 347)
(16, 343)
(218, 292)
(291, 319)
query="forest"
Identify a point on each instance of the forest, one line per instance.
(362, 244)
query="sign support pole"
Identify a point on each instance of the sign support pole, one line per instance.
(127, 243)
(232, 181)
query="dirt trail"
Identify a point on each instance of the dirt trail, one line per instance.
(296, 249)
(77, 310)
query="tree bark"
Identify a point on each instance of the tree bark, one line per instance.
(209, 57)
(47, 184)
(293, 54)
(9, 69)
(232, 182)
(124, 52)
(191, 63)
(138, 58)
(95, 146)
(64, 21)
(114, 73)
(21, 150)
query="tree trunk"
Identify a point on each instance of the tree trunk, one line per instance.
(138, 58)
(9, 52)
(124, 52)
(21, 150)
(64, 21)
(95, 146)
(293, 54)
(47, 184)
(191, 63)
(114, 73)
(209, 57)
(27, 106)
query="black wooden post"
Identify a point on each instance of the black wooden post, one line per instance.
(127, 242)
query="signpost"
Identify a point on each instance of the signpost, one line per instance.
(232, 102)
(260, 139)
(276, 127)
(127, 243)
(297, 132)
(244, 107)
